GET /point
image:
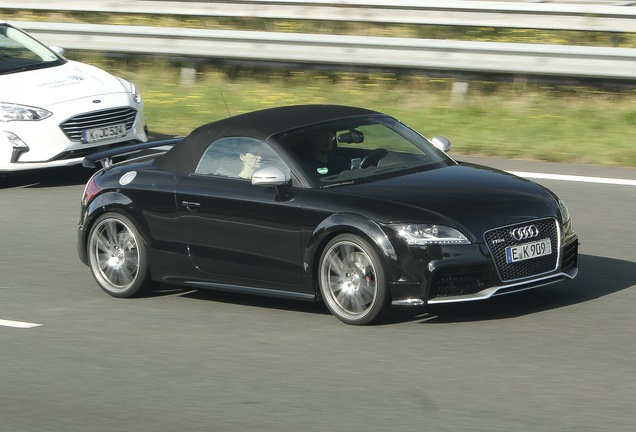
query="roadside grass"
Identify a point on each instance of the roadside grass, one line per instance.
(519, 121)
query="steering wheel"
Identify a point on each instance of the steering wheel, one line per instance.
(373, 158)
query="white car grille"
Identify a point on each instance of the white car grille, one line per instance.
(74, 126)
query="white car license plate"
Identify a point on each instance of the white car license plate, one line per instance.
(528, 250)
(104, 133)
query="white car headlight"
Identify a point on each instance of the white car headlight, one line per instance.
(14, 112)
(132, 88)
(135, 92)
(426, 234)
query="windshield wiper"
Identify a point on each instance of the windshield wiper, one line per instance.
(30, 66)
(348, 182)
(13, 70)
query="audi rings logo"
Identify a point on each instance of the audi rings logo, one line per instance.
(525, 233)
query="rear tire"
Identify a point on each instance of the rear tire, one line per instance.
(117, 256)
(352, 280)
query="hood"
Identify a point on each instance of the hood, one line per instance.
(470, 197)
(49, 86)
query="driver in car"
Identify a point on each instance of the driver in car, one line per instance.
(321, 157)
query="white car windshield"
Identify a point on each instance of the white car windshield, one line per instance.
(20, 52)
(358, 149)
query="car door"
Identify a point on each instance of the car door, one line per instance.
(239, 233)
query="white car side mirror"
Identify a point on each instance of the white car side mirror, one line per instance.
(441, 143)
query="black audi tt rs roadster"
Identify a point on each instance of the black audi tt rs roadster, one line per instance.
(323, 203)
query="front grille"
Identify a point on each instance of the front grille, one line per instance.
(74, 126)
(499, 239)
(456, 281)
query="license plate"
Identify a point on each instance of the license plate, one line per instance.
(528, 251)
(104, 133)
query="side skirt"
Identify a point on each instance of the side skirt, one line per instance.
(249, 290)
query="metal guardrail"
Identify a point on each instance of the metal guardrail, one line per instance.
(607, 16)
(363, 51)
(449, 55)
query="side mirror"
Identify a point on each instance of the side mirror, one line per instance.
(57, 50)
(441, 143)
(269, 176)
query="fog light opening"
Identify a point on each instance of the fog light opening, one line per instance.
(19, 146)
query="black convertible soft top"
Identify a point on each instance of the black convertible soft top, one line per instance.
(260, 125)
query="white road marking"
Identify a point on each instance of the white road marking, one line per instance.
(574, 178)
(17, 324)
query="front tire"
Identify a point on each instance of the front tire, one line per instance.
(117, 256)
(352, 280)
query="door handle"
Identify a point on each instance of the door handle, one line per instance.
(190, 205)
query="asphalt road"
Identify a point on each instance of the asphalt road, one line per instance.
(559, 358)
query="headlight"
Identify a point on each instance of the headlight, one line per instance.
(13, 112)
(566, 221)
(565, 213)
(426, 234)
(135, 92)
(130, 87)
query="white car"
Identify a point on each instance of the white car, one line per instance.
(54, 111)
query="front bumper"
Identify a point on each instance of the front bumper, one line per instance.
(27, 145)
(466, 273)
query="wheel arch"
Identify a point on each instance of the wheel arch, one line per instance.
(349, 223)
(113, 202)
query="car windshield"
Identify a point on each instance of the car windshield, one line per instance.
(360, 149)
(20, 52)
